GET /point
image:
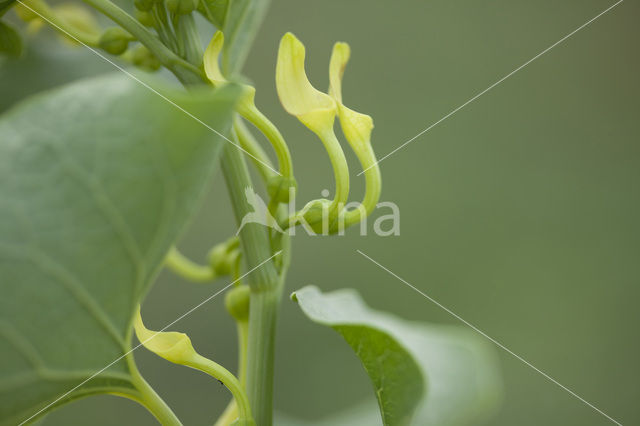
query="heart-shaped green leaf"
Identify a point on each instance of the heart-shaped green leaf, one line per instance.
(443, 375)
(97, 179)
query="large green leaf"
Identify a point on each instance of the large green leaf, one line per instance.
(459, 368)
(5, 5)
(241, 24)
(10, 41)
(97, 179)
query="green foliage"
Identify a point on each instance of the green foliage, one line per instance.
(5, 5)
(457, 366)
(242, 20)
(10, 41)
(97, 179)
(214, 10)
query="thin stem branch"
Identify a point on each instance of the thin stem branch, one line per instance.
(185, 71)
(187, 268)
(229, 380)
(150, 399)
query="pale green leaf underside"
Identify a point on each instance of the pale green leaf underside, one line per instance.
(96, 181)
(460, 369)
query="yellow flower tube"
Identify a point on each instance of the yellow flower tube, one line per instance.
(278, 185)
(357, 129)
(177, 348)
(314, 109)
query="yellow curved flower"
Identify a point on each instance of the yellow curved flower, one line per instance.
(357, 129)
(211, 58)
(177, 348)
(317, 111)
(170, 345)
(314, 109)
(247, 108)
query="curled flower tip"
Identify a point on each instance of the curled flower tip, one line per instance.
(211, 60)
(247, 107)
(314, 109)
(171, 345)
(356, 127)
(339, 58)
(357, 130)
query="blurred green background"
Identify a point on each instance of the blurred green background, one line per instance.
(520, 212)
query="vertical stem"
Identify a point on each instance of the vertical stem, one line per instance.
(265, 285)
(263, 314)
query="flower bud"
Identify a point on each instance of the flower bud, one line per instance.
(143, 5)
(114, 40)
(144, 59)
(223, 257)
(181, 7)
(237, 302)
(145, 18)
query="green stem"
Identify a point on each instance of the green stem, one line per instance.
(186, 29)
(188, 269)
(266, 288)
(185, 71)
(340, 171)
(229, 380)
(262, 123)
(259, 158)
(150, 399)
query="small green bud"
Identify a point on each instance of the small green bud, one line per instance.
(281, 188)
(143, 58)
(145, 18)
(143, 5)
(114, 40)
(237, 302)
(223, 258)
(181, 7)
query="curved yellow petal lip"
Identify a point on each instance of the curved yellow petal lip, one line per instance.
(171, 345)
(356, 127)
(314, 109)
(211, 63)
(211, 56)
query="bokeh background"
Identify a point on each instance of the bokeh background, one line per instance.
(520, 212)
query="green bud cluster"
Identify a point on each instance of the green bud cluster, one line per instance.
(115, 41)
(145, 18)
(143, 5)
(182, 7)
(143, 58)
